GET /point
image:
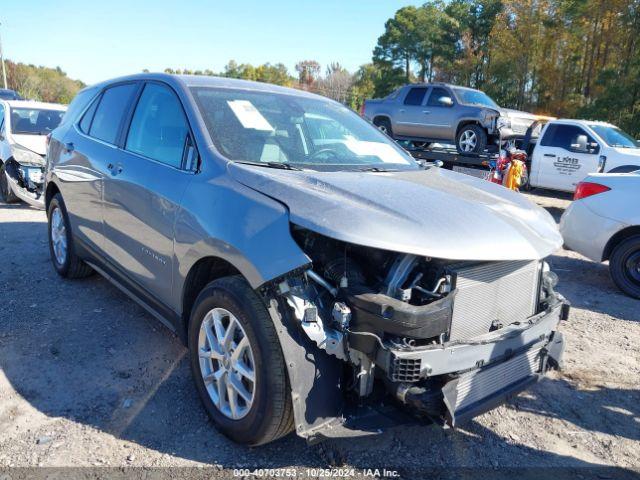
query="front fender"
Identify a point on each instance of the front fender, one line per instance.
(222, 218)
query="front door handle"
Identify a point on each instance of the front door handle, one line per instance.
(426, 111)
(549, 155)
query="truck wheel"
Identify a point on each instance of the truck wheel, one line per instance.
(471, 139)
(624, 266)
(61, 249)
(384, 125)
(6, 194)
(237, 363)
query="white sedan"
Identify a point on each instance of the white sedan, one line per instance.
(24, 126)
(603, 223)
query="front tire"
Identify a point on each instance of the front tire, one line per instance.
(624, 266)
(6, 194)
(471, 139)
(238, 365)
(61, 248)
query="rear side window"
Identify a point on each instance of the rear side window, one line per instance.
(108, 117)
(77, 105)
(415, 96)
(85, 123)
(159, 128)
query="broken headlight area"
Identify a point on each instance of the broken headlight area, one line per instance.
(25, 173)
(445, 339)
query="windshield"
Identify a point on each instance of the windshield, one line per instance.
(281, 130)
(34, 121)
(614, 137)
(475, 97)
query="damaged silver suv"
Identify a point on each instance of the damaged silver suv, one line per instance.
(322, 280)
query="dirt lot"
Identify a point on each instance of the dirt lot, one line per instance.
(87, 378)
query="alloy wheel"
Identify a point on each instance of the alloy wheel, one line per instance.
(58, 236)
(226, 363)
(468, 141)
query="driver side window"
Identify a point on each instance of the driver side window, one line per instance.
(564, 136)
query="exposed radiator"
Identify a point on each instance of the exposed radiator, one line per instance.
(493, 293)
(477, 385)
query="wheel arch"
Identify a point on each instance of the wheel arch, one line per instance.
(204, 271)
(381, 116)
(468, 121)
(51, 190)
(618, 238)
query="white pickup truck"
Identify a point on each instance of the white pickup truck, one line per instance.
(569, 150)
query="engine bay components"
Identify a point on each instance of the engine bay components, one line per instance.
(428, 333)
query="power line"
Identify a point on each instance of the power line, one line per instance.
(4, 71)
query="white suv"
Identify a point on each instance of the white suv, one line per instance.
(24, 126)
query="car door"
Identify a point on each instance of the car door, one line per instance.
(88, 148)
(143, 191)
(563, 159)
(410, 120)
(4, 145)
(438, 114)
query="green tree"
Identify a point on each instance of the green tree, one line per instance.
(399, 43)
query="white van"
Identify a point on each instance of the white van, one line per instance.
(569, 150)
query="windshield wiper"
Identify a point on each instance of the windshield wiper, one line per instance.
(373, 169)
(280, 165)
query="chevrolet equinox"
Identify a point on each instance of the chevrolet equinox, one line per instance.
(322, 280)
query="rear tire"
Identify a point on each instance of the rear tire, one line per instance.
(384, 125)
(624, 266)
(61, 247)
(268, 414)
(471, 139)
(6, 194)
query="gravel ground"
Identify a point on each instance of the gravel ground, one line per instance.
(87, 378)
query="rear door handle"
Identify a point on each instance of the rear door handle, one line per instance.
(115, 169)
(426, 111)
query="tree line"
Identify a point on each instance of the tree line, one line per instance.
(41, 83)
(567, 58)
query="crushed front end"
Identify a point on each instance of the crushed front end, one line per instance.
(25, 175)
(443, 340)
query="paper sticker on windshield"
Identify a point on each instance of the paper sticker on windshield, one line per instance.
(386, 153)
(249, 115)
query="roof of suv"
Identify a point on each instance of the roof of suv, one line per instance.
(441, 84)
(210, 81)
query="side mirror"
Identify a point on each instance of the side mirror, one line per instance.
(446, 101)
(580, 144)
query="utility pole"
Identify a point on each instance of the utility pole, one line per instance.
(4, 71)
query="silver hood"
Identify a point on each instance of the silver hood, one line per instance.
(433, 213)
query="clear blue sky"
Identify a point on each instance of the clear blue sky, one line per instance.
(93, 40)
